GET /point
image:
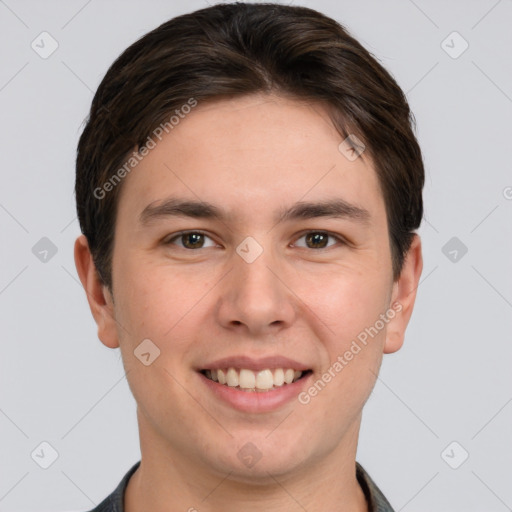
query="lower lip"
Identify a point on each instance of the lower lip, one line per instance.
(256, 401)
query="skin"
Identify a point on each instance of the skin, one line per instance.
(251, 156)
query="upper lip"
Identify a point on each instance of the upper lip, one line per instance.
(249, 363)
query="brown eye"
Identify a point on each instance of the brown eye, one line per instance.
(317, 240)
(191, 240)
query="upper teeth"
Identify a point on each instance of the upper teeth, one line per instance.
(247, 379)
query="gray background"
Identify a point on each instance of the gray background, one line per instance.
(452, 380)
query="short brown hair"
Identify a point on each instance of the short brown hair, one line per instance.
(238, 49)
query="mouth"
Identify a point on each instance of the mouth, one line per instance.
(262, 381)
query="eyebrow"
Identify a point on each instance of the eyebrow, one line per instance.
(334, 208)
(173, 207)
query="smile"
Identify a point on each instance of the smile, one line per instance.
(255, 381)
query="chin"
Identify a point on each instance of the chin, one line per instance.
(258, 462)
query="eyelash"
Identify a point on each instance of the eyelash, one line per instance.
(338, 238)
(176, 236)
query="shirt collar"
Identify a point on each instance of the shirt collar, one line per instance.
(377, 502)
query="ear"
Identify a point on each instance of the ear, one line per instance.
(98, 295)
(403, 297)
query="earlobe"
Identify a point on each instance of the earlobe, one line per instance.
(404, 296)
(98, 296)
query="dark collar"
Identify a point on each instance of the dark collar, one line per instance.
(377, 502)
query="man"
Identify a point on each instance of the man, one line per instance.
(248, 188)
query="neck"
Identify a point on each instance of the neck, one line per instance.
(168, 480)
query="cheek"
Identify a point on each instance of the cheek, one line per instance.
(162, 306)
(154, 302)
(346, 301)
(351, 307)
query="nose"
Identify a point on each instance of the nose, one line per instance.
(254, 297)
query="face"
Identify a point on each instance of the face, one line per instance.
(248, 249)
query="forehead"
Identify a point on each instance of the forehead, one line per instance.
(253, 151)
